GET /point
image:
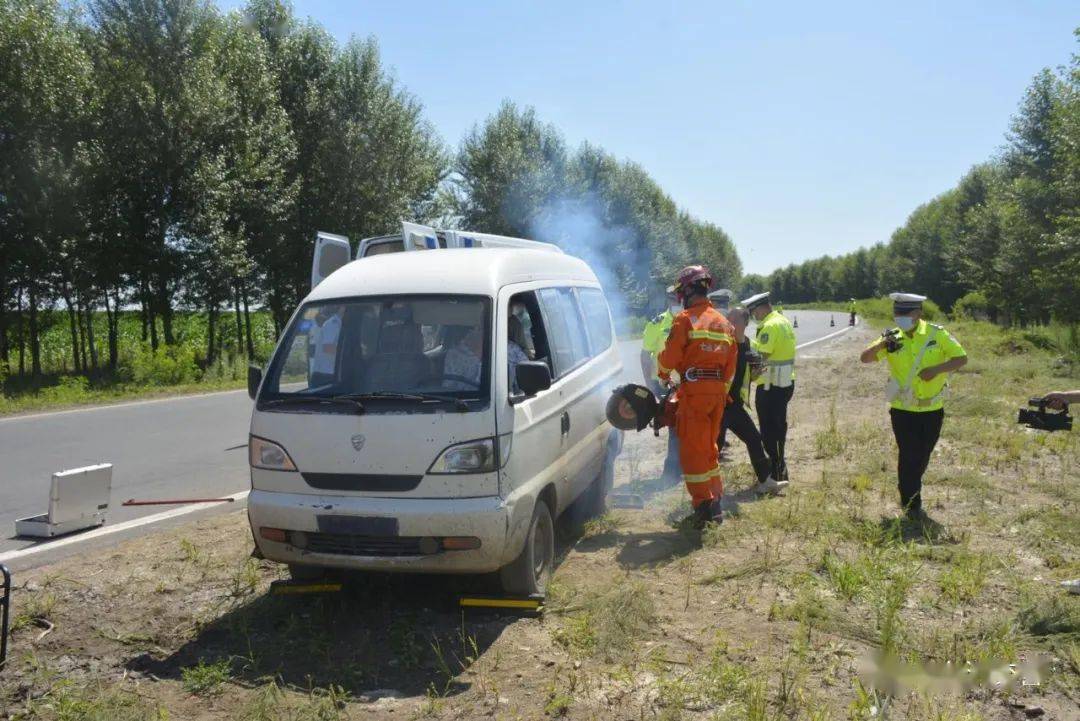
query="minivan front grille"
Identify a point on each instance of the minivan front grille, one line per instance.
(347, 544)
(371, 482)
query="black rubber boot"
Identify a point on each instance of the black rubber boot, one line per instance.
(702, 514)
(716, 511)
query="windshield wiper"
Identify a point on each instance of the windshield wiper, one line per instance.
(291, 400)
(459, 404)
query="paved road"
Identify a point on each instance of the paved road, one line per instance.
(188, 447)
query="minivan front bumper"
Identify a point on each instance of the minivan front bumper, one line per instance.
(352, 532)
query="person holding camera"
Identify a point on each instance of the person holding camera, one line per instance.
(920, 357)
(1061, 400)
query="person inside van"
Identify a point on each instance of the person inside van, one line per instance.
(324, 353)
(519, 332)
(515, 349)
(461, 369)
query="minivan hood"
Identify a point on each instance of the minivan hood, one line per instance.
(372, 454)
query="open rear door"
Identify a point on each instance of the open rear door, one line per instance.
(420, 237)
(331, 252)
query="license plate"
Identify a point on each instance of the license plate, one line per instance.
(358, 525)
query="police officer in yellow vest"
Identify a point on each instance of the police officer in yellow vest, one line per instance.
(653, 339)
(775, 341)
(920, 357)
(654, 336)
(736, 415)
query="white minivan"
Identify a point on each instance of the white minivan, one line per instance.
(435, 412)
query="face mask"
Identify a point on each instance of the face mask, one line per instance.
(904, 322)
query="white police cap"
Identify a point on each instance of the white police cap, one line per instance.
(907, 301)
(755, 300)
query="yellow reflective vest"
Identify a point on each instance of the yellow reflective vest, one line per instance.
(656, 332)
(923, 395)
(775, 340)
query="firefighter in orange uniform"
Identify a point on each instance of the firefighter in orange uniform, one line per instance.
(701, 349)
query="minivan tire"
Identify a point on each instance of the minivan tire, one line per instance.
(531, 571)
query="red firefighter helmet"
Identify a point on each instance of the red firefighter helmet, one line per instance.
(692, 275)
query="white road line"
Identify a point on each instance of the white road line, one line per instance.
(826, 337)
(128, 404)
(119, 527)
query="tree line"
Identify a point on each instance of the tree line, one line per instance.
(1005, 241)
(160, 156)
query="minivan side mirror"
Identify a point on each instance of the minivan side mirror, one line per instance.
(254, 379)
(533, 377)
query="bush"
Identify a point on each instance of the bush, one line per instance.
(973, 306)
(68, 389)
(170, 365)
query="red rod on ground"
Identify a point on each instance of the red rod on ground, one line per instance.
(176, 502)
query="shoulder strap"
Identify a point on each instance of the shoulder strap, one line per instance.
(922, 352)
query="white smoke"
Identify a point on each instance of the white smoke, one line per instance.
(617, 253)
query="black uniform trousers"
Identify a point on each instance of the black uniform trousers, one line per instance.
(737, 418)
(916, 435)
(771, 405)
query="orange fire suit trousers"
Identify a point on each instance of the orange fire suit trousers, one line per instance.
(697, 423)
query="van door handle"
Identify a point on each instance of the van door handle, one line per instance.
(565, 423)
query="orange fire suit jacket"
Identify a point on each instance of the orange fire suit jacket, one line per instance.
(701, 345)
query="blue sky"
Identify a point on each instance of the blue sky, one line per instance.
(800, 128)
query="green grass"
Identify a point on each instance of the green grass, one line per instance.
(205, 679)
(965, 577)
(829, 442)
(31, 609)
(66, 700)
(607, 622)
(848, 577)
(1053, 616)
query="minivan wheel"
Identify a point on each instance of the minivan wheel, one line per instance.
(531, 571)
(300, 572)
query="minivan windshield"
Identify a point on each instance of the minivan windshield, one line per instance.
(408, 352)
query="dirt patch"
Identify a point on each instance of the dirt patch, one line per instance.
(771, 615)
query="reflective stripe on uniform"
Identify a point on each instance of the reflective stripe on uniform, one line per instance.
(711, 335)
(780, 375)
(701, 477)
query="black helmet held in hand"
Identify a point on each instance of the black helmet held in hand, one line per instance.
(631, 407)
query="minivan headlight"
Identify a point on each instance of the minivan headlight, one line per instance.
(269, 455)
(483, 455)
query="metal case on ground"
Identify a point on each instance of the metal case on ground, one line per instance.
(78, 499)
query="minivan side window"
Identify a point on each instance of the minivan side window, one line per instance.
(597, 319)
(566, 332)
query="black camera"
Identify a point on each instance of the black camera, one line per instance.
(1042, 419)
(892, 340)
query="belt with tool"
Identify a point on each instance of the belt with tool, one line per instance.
(703, 374)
